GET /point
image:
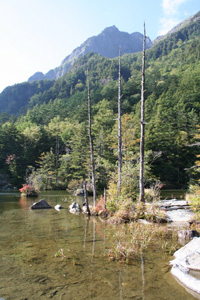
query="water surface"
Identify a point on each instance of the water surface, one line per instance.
(46, 254)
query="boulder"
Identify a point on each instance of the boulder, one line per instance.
(187, 234)
(186, 262)
(42, 204)
(75, 208)
(173, 204)
(86, 210)
(176, 210)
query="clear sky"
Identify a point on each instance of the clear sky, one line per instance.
(36, 35)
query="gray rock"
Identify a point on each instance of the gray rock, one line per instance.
(36, 76)
(75, 208)
(187, 234)
(176, 210)
(187, 260)
(189, 248)
(85, 209)
(42, 204)
(173, 204)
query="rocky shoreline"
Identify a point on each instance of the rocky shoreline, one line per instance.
(176, 210)
(186, 265)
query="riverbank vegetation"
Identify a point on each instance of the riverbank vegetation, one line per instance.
(193, 195)
(44, 137)
(130, 241)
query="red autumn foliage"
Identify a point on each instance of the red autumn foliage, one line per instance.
(28, 189)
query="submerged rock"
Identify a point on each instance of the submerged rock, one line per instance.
(42, 204)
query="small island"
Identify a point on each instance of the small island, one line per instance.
(28, 190)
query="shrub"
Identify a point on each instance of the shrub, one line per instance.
(193, 197)
(28, 190)
(100, 209)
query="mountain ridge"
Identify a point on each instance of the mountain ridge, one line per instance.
(106, 44)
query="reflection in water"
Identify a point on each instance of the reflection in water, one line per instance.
(120, 285)
(94, 240)
(22, 202)
(143, 279)
(29, 268)
(86, 231)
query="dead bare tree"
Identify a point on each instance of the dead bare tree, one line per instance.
(119, 126)
(142, 124)
(91, 141)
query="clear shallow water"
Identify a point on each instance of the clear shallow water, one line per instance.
(173, 194)
(31, 268)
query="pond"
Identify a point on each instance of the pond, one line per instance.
(49, 254)
(173, 194)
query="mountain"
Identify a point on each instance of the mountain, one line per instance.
(18, 98)
(44, 118)
(106, 44)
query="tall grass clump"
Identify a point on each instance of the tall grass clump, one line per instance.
(132, 239)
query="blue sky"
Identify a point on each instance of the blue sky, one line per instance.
(36, 35)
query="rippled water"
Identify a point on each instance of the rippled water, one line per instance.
(32, 266)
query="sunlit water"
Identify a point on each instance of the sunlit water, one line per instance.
(32, 267)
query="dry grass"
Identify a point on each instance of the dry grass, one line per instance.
(131, 239)
(193, 198)
(147, 211)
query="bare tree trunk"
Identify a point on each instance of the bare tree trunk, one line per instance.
(104, 198)
(141, 180)
(57, 157)
(91, 142)
(119, 126)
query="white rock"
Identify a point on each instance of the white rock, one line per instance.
(74, 208)
(58, 207)
(188, 259)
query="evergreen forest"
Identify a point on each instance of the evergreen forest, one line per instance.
(44, 124)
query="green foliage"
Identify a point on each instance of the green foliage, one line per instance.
(54, 119)
(15, 99)
(193, 197)
(129, 182)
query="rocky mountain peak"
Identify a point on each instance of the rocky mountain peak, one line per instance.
(106, 44)
(111, 29)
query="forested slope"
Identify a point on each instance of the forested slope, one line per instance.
(52, 136)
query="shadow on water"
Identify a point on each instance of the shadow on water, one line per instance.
(46, 254)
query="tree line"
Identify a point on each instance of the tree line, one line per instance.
(46, 141)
